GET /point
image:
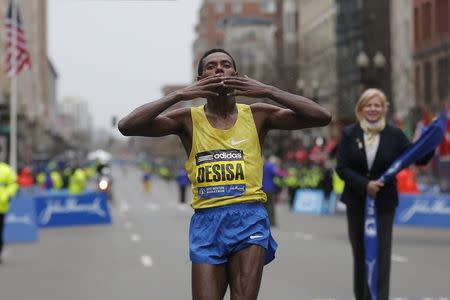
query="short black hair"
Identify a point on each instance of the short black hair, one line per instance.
(200, 62)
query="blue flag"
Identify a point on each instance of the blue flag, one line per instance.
(427, 143)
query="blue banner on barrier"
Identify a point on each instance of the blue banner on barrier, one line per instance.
(424, 210)
(20, 221)
(55, 209)
(308, 201)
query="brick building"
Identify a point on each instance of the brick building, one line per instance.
(432, 53)
(213, 16)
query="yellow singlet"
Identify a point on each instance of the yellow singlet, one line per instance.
(225, 165)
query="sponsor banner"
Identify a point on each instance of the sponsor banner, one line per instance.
(20, 221)
(424, 210)
(220, 173)
(308, 201)
(54, 209)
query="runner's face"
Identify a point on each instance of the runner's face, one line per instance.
(218, 63)
(373, 110)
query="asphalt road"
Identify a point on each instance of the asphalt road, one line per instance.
(144, 254)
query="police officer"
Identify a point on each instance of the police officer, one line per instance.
(77, 181)
(8, 189)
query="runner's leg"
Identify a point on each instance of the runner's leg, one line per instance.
(245, 272)
(209, 282)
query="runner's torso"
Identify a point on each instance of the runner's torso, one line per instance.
(225, 165)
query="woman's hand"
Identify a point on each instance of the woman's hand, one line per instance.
(373, 187)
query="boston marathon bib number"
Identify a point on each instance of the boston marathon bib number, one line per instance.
(220, 173)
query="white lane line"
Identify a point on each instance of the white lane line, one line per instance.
(146, 260)
(303, 236)
(399, 298)
(124, 208)
(153, 207)
(135, 238)
(399, 258)
(182, 207)
(128, 225)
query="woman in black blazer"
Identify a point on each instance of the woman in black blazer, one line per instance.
(366, 150)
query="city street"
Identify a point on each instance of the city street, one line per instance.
(144, 254)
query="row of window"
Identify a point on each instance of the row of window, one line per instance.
(443, 80)
(266, 6)
(423, 19)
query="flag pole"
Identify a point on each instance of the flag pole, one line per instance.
(13, 94)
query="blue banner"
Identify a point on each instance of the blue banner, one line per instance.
(54, 209)
(427, 143)
(371, 246)
(20, 221)
(424, 210)
(308, 201)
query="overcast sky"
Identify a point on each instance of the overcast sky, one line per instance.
(116, 54)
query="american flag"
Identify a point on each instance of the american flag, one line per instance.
(17, 56)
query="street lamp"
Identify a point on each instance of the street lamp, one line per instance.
(300, 85)
(312, 87)
(371, 73)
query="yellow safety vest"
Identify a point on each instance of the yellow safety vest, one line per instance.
(8, 186)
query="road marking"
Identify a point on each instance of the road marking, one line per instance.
(153, 207)
(303, 235)
(124, 207)
(135, 238)
(146, 260)
(182, 207)
(399, 258)
(128, 225)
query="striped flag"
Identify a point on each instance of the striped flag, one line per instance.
(17, 55)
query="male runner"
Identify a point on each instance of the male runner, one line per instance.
(229, 236)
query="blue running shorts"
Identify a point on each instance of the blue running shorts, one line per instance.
(217, 233)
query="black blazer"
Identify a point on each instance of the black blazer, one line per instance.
(352, 165)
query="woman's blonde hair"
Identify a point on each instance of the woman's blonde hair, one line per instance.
(365, 97)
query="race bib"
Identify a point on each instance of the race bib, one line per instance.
(220, 173)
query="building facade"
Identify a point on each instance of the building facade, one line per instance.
(212, 21)
(362, 27)
(317, 51)
(432, 53)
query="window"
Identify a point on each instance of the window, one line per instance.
(236, 7)
(417, 83)
(416, 26)
(443, 78)
(427, 82)
(220, 7)
(220, 24)
(442, 9)
(426, 20)
(268, 6)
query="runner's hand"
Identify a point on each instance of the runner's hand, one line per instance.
(246, 86)
(202, 88)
